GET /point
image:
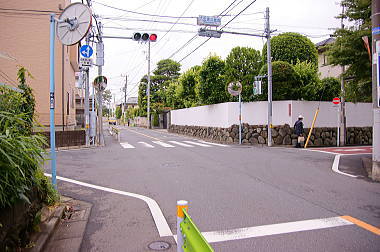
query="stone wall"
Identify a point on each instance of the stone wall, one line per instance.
(281, 135)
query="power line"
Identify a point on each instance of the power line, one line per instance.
(139, 13)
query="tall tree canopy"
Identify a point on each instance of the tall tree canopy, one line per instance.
(243, 64)
(349, 49)
(211, 88)
(292, 47)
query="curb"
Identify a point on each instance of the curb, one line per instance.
(59, 229)
(367, 165)
(47, 228)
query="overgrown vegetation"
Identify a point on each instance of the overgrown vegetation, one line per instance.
(21, 153)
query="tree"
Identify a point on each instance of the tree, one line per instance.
(307, 82)
(107, 96)
(211, 88)
(118, 112)
(350, 51)
(166, 71)
(243, 64)
(284, 84)
(291, 47)
(186, 90)
(142, 97)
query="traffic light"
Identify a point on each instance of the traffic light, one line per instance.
(144, 37)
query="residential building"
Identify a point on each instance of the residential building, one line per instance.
(24, 38)
(324, 67)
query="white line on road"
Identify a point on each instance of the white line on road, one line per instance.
(196, 143)
(127, 145)
(274, 229)
(181, 144)
(348, 150)
(163, 144)
(335, 167)
(158, 217)
(146, 144)
(216, 144)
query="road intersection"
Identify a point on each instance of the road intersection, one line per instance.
(242, 198)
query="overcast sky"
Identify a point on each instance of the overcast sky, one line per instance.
(126, 57)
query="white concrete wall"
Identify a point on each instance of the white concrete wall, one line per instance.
(284, 112)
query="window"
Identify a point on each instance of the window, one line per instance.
(325, 60)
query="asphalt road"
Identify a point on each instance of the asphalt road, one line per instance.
(228, 187)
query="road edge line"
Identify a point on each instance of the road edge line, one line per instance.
(158, 217)
(335, 167)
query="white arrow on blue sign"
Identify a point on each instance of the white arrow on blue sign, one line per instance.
(86, 51)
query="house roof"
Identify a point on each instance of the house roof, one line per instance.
(325, 42)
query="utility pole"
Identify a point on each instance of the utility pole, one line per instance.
(125, 98)
(269, 60)
(342, 116)
(100, 63)
(376, 89)
(148, 88)
(86, 100)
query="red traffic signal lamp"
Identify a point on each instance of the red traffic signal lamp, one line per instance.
(144, 37)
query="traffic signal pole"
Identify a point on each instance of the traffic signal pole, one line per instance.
(148, 87)
(269, 61)
(376, 89)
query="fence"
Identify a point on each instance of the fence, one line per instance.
(284, 112)
(66, 138)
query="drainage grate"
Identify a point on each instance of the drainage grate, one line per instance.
(159, 245)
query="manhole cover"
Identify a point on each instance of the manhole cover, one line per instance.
(159, 245)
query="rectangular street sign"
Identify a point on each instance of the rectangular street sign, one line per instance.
(85, 62)
(209, 20)
(209, 33)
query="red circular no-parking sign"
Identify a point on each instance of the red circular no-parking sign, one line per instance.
(336, 100)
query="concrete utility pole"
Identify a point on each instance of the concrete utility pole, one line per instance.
(86, 100)
(100, 97)
(269, 60)
(376, 89)
(148, 87)
(125, 97)
(342, 116)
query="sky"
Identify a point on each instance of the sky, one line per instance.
(312, 18)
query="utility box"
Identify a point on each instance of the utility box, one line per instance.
(92, 123)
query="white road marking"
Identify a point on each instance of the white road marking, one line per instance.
(163, 144)
(181, 144)
(350, 150)
(155, 210)
(274, 229)
(127, 145)
(335, 167)
(196, 143)
(216, 144)
(146, 144)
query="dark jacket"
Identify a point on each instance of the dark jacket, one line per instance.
(298, 127)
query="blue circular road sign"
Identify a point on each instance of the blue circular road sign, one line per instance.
(86, 51)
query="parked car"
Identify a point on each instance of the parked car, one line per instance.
(112, 120)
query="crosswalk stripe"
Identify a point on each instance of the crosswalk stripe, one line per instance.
(163, 144)
(146, 145)
(181, 144)
(127, 145)
(216, 144)
(199, 144)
